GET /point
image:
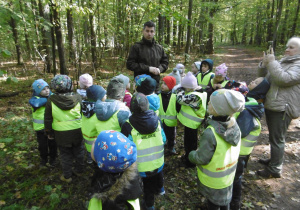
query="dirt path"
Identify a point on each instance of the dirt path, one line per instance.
(283, 193)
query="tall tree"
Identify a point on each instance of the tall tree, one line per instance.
(27, 42)
(295, 20)
(71, 38)
(188, 37)
(45, 42)
(93, 37)
(59, 37)
(210, 42)
(278, 16)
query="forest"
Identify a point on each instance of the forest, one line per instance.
(66, 35)
(42, 38)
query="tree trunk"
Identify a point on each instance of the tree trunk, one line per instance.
(293, 31)
(59, 39)
(174, 32)
(210, 42)
(28, 48)
(180, 31)
(278, 15)
(46, 51)
(36, 24)
(13, 26)
(270, 21)
(71, 38)
(188, 37)
(244, 35)
(161, 25)
(284, 24)
(53, 41)
(93, 39)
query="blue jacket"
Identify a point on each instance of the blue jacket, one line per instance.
(154, 102)
(246, 118)
(38, 102)
(105, 110)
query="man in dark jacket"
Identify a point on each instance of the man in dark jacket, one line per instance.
(146, 56)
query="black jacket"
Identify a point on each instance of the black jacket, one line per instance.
(64, 101)
(144, 54)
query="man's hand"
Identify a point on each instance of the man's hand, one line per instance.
(154, 70)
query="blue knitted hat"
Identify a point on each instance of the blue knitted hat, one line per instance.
(146, 85)
(39, 85)
(114, 152)
(137, 78)
(125, 79)
(95, 92)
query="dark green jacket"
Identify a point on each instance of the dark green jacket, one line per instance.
(64, 101)
(144, 54)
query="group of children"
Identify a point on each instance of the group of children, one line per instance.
(126, 135)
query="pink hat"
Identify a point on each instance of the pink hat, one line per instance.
(221, 70)
(85, 81)
(189, 81)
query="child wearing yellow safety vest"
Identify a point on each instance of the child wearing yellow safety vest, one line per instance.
(168, 111)
(89, 119)
(47, 147)
(219, 146)
(63, 121)
(205, 75)
(145, 130)
(249, 124)
(147, 86)
(112, 113)
(116, 183)
(192, 113)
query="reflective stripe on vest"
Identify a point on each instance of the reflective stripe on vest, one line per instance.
(192, 118)
(170, 116)
(150, 149)
(38, 118)
(96, 204)
(64, 120)
(89, 131)
(111, 124)
(206, 79)
(220, 171)
(249, 141)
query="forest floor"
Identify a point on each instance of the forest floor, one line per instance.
(26, 186)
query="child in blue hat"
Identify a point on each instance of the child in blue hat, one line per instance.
(39, 98)
(116, 182)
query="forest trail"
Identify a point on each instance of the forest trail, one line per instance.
(280, 193)
(257, 193)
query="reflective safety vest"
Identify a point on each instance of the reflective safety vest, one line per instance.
(192, 118)
(206, 79)
(220, 171)
(96, 204)
(89, 131)
(150, 149)
(223, 83)
(111, 124)
(170, 116)
(64, 120)
(249, 141)
(38, 118)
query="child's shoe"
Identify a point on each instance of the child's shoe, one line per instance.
(62, 178)
(145, 207)
(162, 191)
(52, 162)
(43, 163)
(172, 151)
